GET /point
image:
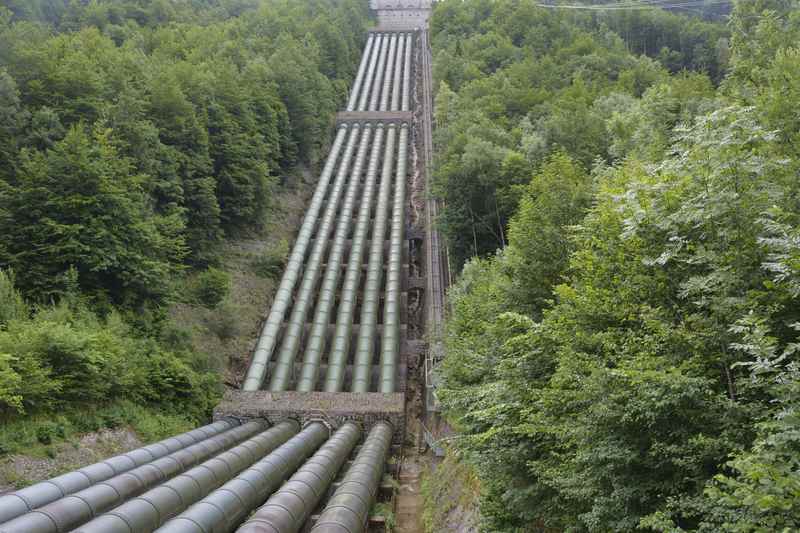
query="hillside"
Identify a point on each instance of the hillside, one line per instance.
(622, 186)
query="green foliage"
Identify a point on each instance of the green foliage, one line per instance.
(171, 123)
(518, 83)
(12, 306)
(628, 361)
(210, 287)
(22, 435)
(557, 198)
(270, 263)
(66, 355)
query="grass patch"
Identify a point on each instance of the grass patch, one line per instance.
(450, 485)
(385, 510)
(36, 435)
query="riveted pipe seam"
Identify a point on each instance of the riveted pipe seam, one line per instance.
(305, 295)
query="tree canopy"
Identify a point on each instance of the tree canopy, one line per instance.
(627, 359)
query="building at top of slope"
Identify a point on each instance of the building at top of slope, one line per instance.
(402, 14)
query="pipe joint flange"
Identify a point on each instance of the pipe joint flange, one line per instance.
(320, 419)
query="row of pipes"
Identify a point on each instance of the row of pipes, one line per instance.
(310, 285)
(228, 476)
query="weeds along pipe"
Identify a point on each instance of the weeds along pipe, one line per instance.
(348, 509)
(288, 509)
(365, 343)
(225, 508)
(387, 76)
(353, 100)
(283, 297)
(304, 299)
(379, 70)
(398, 73)
(156, 506)
(407, 73)
(78, 508)
(27, 499)
(365, 90)
(315, 346)
(348, 297)
(390, 343)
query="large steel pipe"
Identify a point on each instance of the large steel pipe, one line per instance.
(283, 297)
(340, 347)
(305, 295)
(365, 91)
(315, 347)
(78, 508)
(387, 78)
(225, 508)
(353, 100)
(398, 72)
(379, 70)
(153, 508)
(405, 105)
(27, 499)
(288, 509)
(390, 342)
(365, 343)
(348, 509)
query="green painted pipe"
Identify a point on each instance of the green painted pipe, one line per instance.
(283, 297)
(348, 297)
(304, 299)
(365, 91)
(372, 289)
(348, 509)
(398, 73)
(315, 346)
(387, 76)
(407, 73)
(379, 70)
(390, 343)
(351, 103)
(288, 509)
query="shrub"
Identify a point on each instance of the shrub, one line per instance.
(211, 287)
(270, 263)
(12, 307)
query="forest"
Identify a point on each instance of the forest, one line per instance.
(138, 136)
(622, 191)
